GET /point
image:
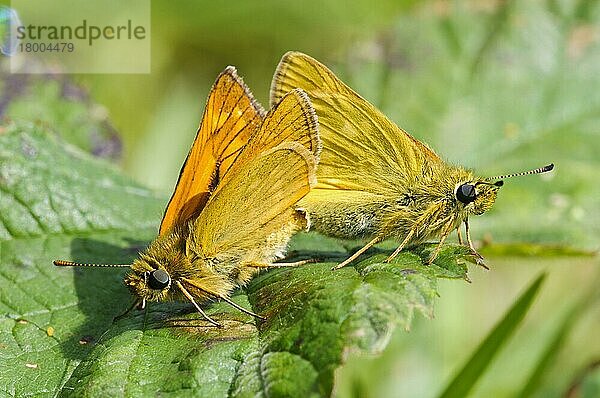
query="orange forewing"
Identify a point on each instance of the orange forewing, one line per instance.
(231, 117)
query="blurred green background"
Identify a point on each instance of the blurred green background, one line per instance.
(499, 86)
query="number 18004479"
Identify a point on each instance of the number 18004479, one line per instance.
(46, 47)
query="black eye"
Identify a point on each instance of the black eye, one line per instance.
(466, 193)
(159, 279)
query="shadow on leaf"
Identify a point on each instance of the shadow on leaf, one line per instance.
(100, 291)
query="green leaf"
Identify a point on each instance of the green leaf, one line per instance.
(474, 368)
(57, 330)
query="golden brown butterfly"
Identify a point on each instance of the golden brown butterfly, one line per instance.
(233, 208)
(374, 179)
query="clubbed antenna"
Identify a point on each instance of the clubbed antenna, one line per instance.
(65, 263)
(539, 170)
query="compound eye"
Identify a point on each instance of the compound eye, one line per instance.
(466, 193)
(159, 279)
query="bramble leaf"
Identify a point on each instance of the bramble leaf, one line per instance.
(58, 334)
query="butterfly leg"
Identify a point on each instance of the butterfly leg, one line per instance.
(281, 265)
(357, 254)
(239, 307)
(295, 263)
(399, 248)
(222, 297)
(459, 234)
(128, 310)
(191, 298)
(437, 249)
(474, 253)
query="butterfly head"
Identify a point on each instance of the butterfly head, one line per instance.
(477, 197)
(154, 272)
(148, 280)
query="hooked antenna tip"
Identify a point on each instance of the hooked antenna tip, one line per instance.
(548, 167)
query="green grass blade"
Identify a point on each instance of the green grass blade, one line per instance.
(556, 342)
(554, 345)
(466, 378)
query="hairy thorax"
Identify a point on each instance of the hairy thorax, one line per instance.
(425, 204)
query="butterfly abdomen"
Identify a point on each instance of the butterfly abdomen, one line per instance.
(356, 220)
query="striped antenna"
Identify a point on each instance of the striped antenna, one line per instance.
(493, 184)
(65, 263)
(539, 170)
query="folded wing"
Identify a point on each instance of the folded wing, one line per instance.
(292, 119)
(231, 117)
(362, 149)
(252, 216)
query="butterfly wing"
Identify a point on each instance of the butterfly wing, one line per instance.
(292, 119)
(257, 204)
(252, 213)
(362, 149)
(231, 117)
